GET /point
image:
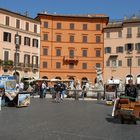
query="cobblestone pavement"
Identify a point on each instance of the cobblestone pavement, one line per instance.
(68, 120)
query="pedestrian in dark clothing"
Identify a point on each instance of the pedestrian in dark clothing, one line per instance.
(131, 90)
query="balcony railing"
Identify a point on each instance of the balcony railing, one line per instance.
(7, 64)
(67, 59)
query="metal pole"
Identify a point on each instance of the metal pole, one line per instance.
(16, 63)
(16, 46)
(130, 67)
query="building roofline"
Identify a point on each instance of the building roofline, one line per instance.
(2, 10)
(89, 16)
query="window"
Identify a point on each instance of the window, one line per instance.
(7, 37)
(7, 20)
(34, 61)
(129, 47)
(120, 34)
(16, 58)
(107, 49)
(137, 47)
(129, 32)
(45, 37)
(71, 53)
(119, 49)
(58, 38)
(35, 43)
(108, 35)
(71, 38)
(45, 64)
(84, 53)
(98, 27)
(27, 26)
(84, 66)
(98, 39)
(27, 41)
(129, 62)
(18, 23)
(72, 26)
(98, 53)
(45, 24)
(45, 51)
(35, 28)
(138, 61)
(58, 52)
(138, 33)
(84, 26)
(58, 65)
(71, 65)
(26, 59)
(58, 26)
(98, 65)
(84, 39)
(6, 55)
(120, 63)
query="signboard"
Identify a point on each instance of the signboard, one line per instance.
(23, 99)
(114, 81)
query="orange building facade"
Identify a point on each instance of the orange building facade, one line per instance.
(71, 46)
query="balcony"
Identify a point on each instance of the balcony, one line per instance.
(67, 60)
(27, 66)
(35, 67)
(7, 64)
(19, 66)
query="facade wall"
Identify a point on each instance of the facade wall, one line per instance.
(121, 72)
(77, 72)
(9, 46)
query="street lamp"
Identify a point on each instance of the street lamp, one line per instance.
(17, 43)
(130, 64)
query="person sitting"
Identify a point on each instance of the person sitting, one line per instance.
(131, 91)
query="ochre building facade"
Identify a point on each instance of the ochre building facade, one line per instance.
(71, 45)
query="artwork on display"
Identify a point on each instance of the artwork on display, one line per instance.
(23, 100)
(0, 102)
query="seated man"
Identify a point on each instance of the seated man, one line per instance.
(131, 90)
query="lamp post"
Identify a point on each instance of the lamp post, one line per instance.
(17, 43)
(130, 65)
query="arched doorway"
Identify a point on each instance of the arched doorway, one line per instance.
(57, 77)
(71, 78)
(138, 80)
(17, 76)
(44, 77)
(84, 80)
(128, 77)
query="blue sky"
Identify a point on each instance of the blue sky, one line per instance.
(115, 9)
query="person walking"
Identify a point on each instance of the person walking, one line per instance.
(43, 90)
